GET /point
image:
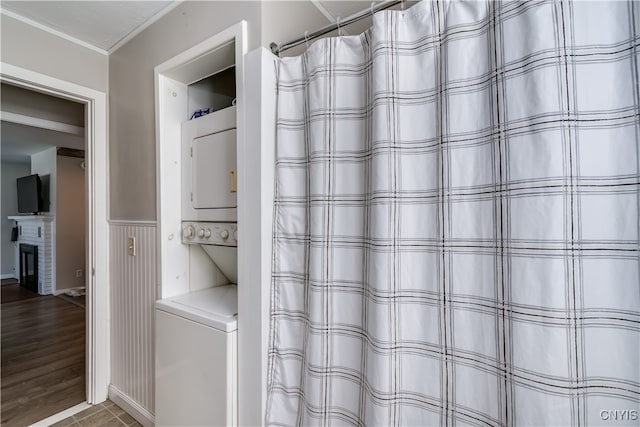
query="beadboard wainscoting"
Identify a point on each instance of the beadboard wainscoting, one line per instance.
(134, 290)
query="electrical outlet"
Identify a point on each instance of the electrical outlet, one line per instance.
(78, 273)
(131, 245)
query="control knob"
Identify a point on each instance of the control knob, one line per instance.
(224, 234)
(201, 233)
(207, 233)
(189, 232)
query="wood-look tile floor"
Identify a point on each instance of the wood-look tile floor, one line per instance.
(42, 359)
(106, 414)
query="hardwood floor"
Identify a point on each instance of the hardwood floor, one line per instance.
(11, 291)
(42, 359)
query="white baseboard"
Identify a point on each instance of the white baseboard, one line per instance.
(141, 415)
(8, 276)
(63, 290)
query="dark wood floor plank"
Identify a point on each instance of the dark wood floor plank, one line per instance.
(12, 291)
(41, 386)
(42, 359)
(44, 336)
(15, 358)
(51, 337)
(16, 352)
(45, 366)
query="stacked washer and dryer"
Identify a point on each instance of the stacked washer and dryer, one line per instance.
(196, 333)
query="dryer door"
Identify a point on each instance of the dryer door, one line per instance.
(213, 171)
(209, 167)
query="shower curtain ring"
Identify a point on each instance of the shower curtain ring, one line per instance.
(338, 23)
(372, 5)
(306, 38)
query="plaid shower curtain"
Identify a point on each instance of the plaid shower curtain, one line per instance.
(456, 220)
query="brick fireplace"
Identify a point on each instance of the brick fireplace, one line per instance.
(35, 231)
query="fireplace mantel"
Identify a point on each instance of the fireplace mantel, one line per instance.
(19, 218)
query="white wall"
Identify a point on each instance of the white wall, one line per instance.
(9, 206)
(70, 223)
(255, 208)
(45, 164)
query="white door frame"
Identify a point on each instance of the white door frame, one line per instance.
(98, 372)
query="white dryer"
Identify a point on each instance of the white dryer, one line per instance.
(209, 180)
(196, 360)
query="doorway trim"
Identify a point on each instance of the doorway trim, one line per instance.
(97, 355)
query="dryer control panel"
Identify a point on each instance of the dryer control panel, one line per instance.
(210, 233)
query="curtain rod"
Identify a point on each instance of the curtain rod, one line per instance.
(276, 48)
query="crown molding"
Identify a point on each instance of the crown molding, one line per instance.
(324, 11)
(52, 31)
(144, 26)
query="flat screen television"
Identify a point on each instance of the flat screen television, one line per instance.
(30, 194)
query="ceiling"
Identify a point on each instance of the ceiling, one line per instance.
(104, 25)
(19, 141)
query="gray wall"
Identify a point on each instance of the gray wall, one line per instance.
(132, 143)
(35, 104)
(70, 222)
(37, 50)
(9, 206)
(283, 21)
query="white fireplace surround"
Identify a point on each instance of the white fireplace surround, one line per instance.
(37, 230)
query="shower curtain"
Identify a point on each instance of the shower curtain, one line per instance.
(456, 220)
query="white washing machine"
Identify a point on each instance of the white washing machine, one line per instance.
(196, 360)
